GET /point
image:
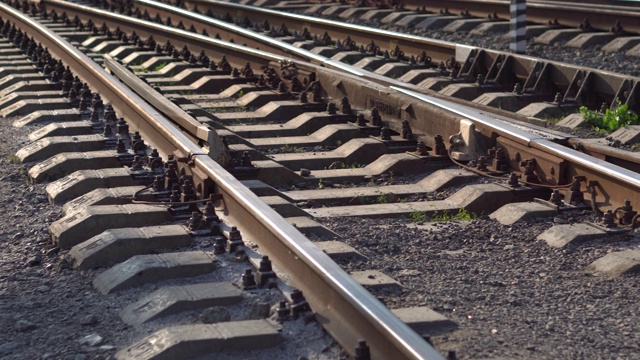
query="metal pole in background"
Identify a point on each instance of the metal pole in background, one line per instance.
(518, 26)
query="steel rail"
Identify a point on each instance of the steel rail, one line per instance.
(494, 123)
(601, 16)
(410, 44)
(615, 183)
(344, 308)
(604, 82)
(192, 18)
(198, 42)
(256, 57)
(162, 34)
(249, 38)
(144, 118)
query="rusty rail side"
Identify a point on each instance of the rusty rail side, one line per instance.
(563, 76)
(144, 118)
(342, 306)
(410, 44)
(493, 122)
(162, 34)
(601, 17)
(613, 183)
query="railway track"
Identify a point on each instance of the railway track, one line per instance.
(600, 15)
(309, 145)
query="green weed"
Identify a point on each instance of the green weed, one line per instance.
(160, 66)
(462, 215)
(418, 216)
(292, 149)
(613, 119)
(14, 159)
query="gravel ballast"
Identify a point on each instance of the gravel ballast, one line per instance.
(511, 295)
(49, 311)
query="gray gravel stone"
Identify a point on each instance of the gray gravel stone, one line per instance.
(25, 325)
(259, 310)
(214, 315)
(91, 340)
(486, 276)
(7, 348)
(90, 319)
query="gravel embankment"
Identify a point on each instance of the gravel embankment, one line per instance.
(47, 309)
(511, 295)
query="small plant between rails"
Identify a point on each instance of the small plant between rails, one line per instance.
(462, 215)
(612, 119)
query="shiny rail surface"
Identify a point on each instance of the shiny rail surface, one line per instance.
(609, 177)
(602, 15)
(608, 84)
(343, 307)
(593, 165)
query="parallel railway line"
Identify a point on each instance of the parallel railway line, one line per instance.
(361, 129)
(601, 15)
